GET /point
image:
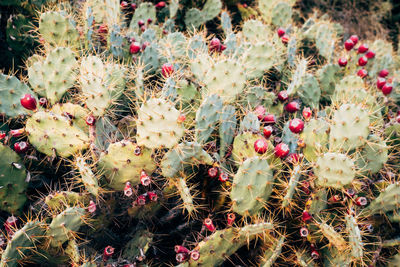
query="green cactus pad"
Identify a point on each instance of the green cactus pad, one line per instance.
(207, 116)
(336, 239)
(388, 200)
(309, 91)
(255, 31)
(144, 12)
(200, 65)
(105, 11)
(252, 186)
(185, 195)
(11, 91)
(258, 58)
(355, 239)
(52, 77)
(12, 180)
(350, 127)
(157, 124)
(334, 258)
(64, 225)
(223, 243)
(226, 23)
(334, 170)
(329, 76)
(120, 164)
(138, 245)
(225, 78)
(58, 30)
(194, 18)
(77, 112)
(151, 58)
(183, 154)
(63, 199)
(315, 137)
(102, 84)
(373, 155)
(272, 254)
(211, 9)
(298, 77)
(295, 175)
(227, 128)
(281, 15)
(21, 244)
(87, 177)
(325, 40)
(48, 132)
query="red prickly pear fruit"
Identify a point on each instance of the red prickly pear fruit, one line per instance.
(260, 146)
(380, 82)
(209, 224)
(181, 257)
(383, 73)
(397, 119)
(90, 120)
(342, 62)
(362, 61)
(133, 6)
(370, 54)
(387, 89)
(223, 177)
(134, 48)
(281, 32)
(128, 189)
(140, 23)
(215, 45)
(285, 39)
(283, 96)
(230, 218)
(281, 150)
(92, 207)
(21, 147)
(28, 102)
(167, 70)
(304, 231)
(292, 107)
(152, 196)
(145, 179)
(43, 102)
(306, 216)
(149, 21)
(160, 4)
(245, 5)
(194, 255)
(124, 4)
(223, 47)
(181, 249)
(296, 126)
(348, 45)
(181, 118)
(17, 133)
(315, 255)
(103, 28)
(362, 49)
(354, 38)
(212, 172)
(260, 112)
(143, 28)
(307, 113)
(108, 252)
(269, 119)
(362, 73)
(267, 131)
(2, 135)
(165, 32)
(11, 224)
(361, 201)
(141, 200)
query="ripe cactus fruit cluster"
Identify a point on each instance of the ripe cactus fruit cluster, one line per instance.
(183, 147)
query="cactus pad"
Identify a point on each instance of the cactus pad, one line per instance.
(158, 125)
(334, 170)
